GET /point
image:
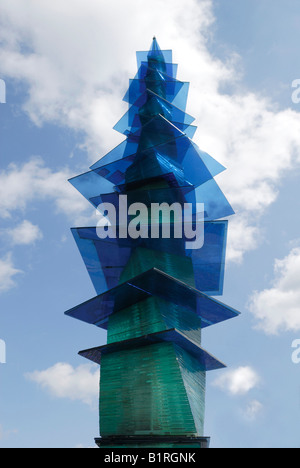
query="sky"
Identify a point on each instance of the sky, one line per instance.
(66, 67)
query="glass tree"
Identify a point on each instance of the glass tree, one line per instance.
(155, 293)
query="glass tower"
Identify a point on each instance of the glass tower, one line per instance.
(155, 290)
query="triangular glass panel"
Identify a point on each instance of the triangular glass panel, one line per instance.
(208, 361)
(152, 283)
(112, 261)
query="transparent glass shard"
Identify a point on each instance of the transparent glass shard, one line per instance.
(147, 106)
(174, 91)
(207, 361)
(155, 283)
(106, 259)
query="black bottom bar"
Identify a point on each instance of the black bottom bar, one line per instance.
(158, 442)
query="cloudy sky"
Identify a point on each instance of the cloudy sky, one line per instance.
(66, 66)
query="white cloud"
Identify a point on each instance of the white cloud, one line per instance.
(242, 237)
(63, 381)
(79, 56)
(33, 181)
(25, 233)
(238, 381)
(76, 58)
(278, 309)
(7, 273)
(253, 410)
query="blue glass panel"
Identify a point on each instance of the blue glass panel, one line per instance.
(160, 161)
(153, 79)
(212, 165)
(180, 99)
(90, 183)
(152, 283)
(175, 91)
(184, 194)
(146, 107)
(163, 55)
(168, 195)
(198, 166)
(215, 203)
(189, 131)
(156, 132)
(89, 256)
(97, 310)
(152, 165)
(105, 259)
(131, 145)
(181, 149)
(169, 69)
(124, 149)
(207, 361)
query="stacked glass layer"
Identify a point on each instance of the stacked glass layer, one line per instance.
(154, 293)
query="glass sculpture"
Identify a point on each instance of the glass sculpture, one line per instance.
(154, 293)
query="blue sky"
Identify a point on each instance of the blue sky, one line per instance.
(66, 66)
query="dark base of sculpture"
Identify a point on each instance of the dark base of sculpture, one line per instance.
(159, 442)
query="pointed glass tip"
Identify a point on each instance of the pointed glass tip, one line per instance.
(155, 51)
